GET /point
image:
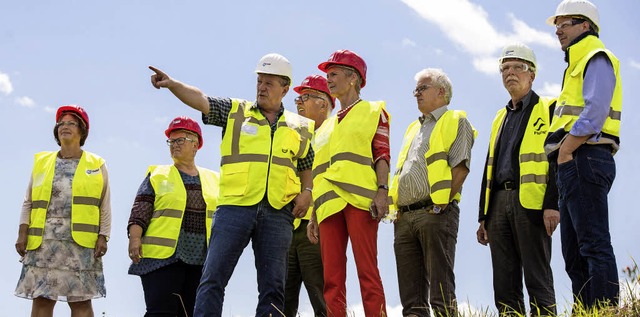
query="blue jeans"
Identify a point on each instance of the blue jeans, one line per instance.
(583, 185)
(270, 233)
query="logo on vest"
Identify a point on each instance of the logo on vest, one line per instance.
(89, 172)
(538, 126)
(249, 128)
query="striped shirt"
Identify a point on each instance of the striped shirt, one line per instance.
(413, 182)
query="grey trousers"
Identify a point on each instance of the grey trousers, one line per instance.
(425, 248)
(518, 245)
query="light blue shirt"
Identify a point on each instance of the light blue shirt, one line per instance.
(597, 92)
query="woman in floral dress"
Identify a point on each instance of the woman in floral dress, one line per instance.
(65, 222)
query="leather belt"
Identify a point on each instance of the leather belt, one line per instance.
(421, 205)
(416, 206)
(508, 185)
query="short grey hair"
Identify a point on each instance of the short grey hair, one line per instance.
(438, 79)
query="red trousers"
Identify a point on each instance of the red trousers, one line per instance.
(335, 232)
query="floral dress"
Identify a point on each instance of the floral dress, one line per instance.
(60, 269)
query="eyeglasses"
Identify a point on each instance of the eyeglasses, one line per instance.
(305, 97)
(67, 123)
(565, 24)
(420, 89)
(515, 67)
(178, 141)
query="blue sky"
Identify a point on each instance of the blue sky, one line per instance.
(95, 54)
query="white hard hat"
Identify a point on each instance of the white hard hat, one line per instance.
(577, 8)
(275, 64)
(519, 51)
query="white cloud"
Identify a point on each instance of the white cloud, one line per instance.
(25, 102)
(408, 43)
(635, 64)
(487, 65)
(529, 35)
(550, 89)
(475, 34)
(49, 109)
(5, 84)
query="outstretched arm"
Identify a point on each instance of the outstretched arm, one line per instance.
(189, 95)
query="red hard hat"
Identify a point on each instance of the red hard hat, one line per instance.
(185, 123)
(75, 109)
(316, 82)
(347, 58)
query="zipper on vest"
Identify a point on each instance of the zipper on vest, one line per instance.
(266, 192)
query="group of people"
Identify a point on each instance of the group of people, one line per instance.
(299, 187)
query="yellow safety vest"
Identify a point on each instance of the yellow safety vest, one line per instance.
(532, 159)
(345, 172)
(570, 102)
(438, 170)
(161, 237)
(320, 142)
(86, 196)
(251, 159)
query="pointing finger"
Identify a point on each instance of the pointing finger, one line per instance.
(157, 71)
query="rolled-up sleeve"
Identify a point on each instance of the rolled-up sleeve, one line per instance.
(460, 150)
(219, 109)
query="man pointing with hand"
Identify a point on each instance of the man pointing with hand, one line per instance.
(265, 181)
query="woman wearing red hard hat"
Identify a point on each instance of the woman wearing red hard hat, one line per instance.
(170, 224)
(65, 222)
(351, 196)
(314, 102)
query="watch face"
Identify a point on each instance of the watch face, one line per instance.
(434, 210)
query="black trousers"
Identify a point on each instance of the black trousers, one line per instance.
(161, 285)
(519, 248)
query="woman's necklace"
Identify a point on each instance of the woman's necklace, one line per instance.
(351, 105)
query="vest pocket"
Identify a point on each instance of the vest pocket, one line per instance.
(234, 179)
(293, 184)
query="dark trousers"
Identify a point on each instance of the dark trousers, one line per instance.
(161, 285)
(583, 185)
(519, 245)
(425, 248)
(305, 266)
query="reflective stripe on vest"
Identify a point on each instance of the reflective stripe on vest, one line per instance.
(571, 103)
(346, 172)
(533, 162)
(161, 237)
(438, 170)
(442, 137)
(86, 192)
(251, 158)
(320, 143)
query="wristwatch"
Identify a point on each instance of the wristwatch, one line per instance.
(386, 187)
